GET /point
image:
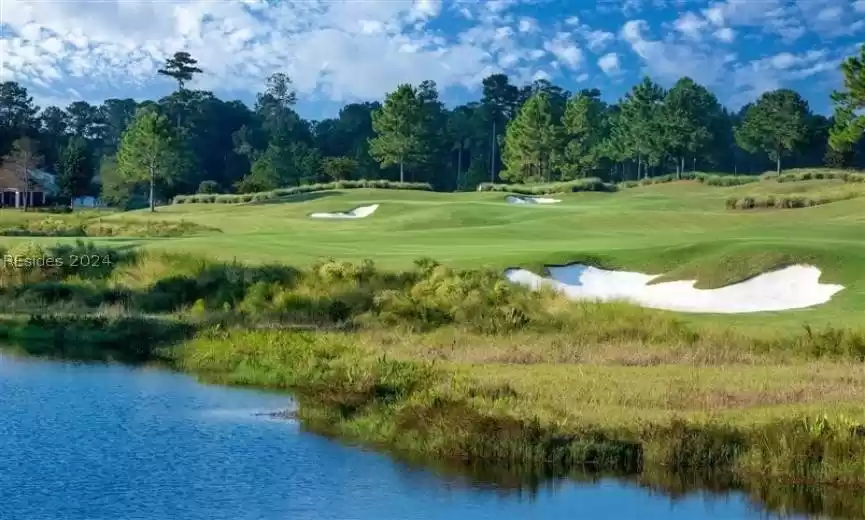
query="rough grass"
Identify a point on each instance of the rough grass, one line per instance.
(275, 195)
(76, 226)
(805, 198)
(588, 184)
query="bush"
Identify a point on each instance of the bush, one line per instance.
(711, 179)
(588, 184)
(277, 194)
(208, 187)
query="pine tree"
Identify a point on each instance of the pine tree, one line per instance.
(584, 128)
(640, 124)
(849, 127)
(75, 169)
(531, 142)
(181, 67)
(398, 125)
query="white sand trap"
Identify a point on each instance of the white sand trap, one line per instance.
(513, 199)
(359, 212)
(792, 287)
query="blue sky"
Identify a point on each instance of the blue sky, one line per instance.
(339, 51)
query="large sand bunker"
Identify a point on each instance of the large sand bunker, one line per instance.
(792, 287)
(514, 199)
(359, 212)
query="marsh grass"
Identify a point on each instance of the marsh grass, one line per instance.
(552, 417)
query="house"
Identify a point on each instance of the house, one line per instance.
(12, 189)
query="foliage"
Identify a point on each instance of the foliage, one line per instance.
(585, 127)
(76, 169)
(398, 124)
(181, 67)
(339, 168)
(588, 184)
(849, 126)
(531, 142)
(208, 187)
(774, 124)
(277, 194)
(148, 152)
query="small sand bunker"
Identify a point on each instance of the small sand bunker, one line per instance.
(792, 287)
(359, 212)
(514, 199)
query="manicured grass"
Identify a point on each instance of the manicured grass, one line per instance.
(679, 228)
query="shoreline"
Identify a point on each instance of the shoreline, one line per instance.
(441, 418)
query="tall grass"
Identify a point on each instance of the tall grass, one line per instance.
(710, 179)
(84, 227)
(588, 184)
(268, 196)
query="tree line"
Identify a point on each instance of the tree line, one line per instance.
(192, 141)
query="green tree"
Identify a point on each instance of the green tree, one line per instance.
(459, 131)
(774, 124)
(75, 169)
(148, 151)
(500, 102)
(849, 124)
(584, 128)
(531, 141)
(640, 124)
(339, 168)
(181, 68)
(687, 119)
(23, 158)
(398, 125)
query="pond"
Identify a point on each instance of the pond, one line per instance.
(101, 442)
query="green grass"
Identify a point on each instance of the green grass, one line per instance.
(680, 229)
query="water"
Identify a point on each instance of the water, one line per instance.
(100, 442)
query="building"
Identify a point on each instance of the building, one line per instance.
(12, 190)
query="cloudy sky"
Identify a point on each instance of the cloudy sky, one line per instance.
(338, 51)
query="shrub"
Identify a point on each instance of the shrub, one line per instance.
(588, 184)
(208, 187)
(710, 179)
(277, 194)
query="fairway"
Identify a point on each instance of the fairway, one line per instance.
(680, 229)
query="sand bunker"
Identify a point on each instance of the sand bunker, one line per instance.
(792, 287)
(514, 199)
(359, 212)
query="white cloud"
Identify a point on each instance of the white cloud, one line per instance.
(667, 60)
(121, 44)
(598, 40)
(610, 64)
(690, 25)
(528, 25)
(725, 34)
(859, 6)
(564, 50)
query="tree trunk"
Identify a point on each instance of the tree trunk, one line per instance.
(401, 171)
(639, 165)
(778, 162)
(694, 165)
(493, 154)
(26, 186)
(459, 165)
(682, 161)
(152, 182)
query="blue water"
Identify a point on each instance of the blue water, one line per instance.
(100, 442)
